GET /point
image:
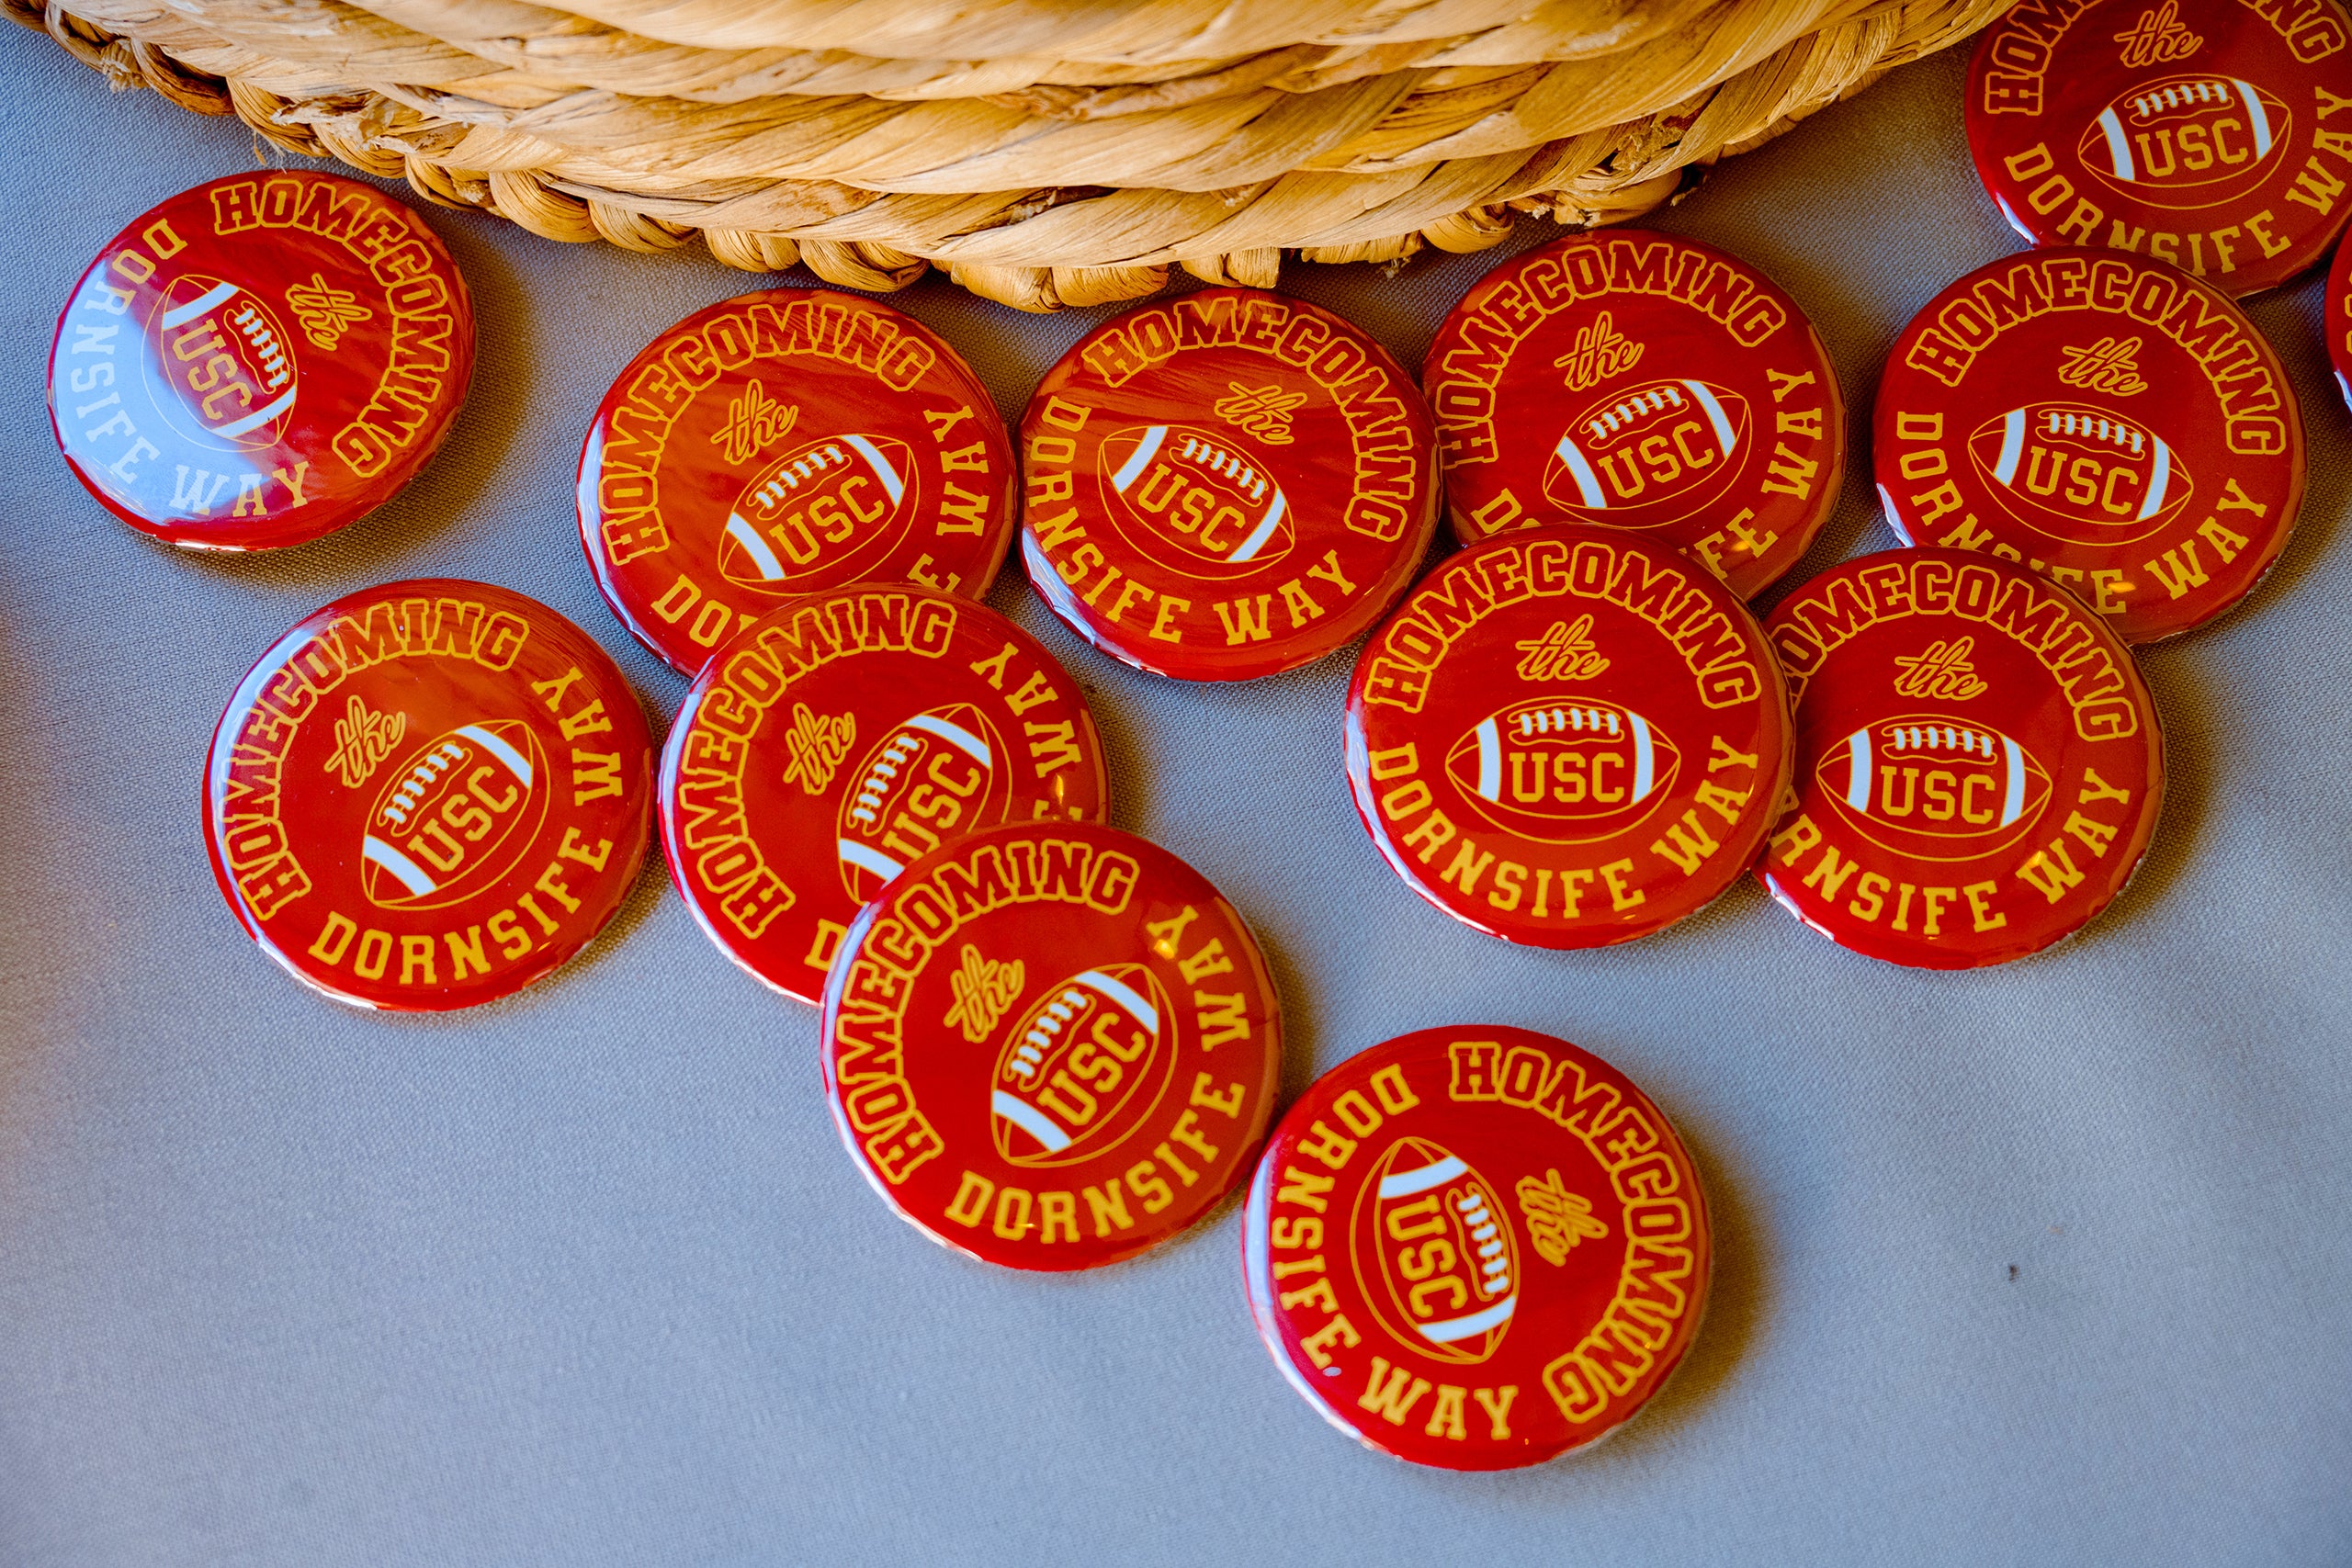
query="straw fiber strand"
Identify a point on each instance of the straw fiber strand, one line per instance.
(1069, 152)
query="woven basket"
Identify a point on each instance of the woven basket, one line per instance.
(1045, 153)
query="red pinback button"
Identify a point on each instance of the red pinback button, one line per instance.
(1476, 1247)
(2108, 421)
(1569, 736)
(1227, 485)
(1051, 1044)
(1979, 765)
(842, 738)
(1640, 381)
(260, 360)
(2340, 321)
(428, 795)
(2194, 133)
(785, 443)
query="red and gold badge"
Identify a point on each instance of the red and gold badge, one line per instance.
(1568, 738)
(1979, 765)
(260, 360)
(785, 443)
(1051, 1044)
(2215, 138)
(1475, 1247)
(428, 795)
(2111, 423)
(1227, 485)
(1641, 381)
(844, 736)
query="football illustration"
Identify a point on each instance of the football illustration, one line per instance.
(937, 775)
(1196, 502)
(817, 517)
(1435, 1251)
(1564, 769)
(2080, 473)
(1935, 787)
(457, 815)
(225, 354)
(1083, 1067)
(1646, 456)
(2189, 141)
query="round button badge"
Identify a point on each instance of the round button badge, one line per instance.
(2202, 135)
(2109, 421)
(2340, 321)
(1229, 485)
(1568, 738)
(1051, 1044)
(785, 443)
(1476, 1247)
(845, 736)
(428, 795)
(1979, 765)
(260, 360)
(1642, 381)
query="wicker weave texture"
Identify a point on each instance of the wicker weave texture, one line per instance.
(1044, 153)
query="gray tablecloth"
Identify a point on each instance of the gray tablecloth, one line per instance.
(2048, 1263)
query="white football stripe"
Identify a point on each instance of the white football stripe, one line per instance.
(198, 306)
(259, 416)
(955, 735)
(2014, 797)
(873, 453)
(411, 874)
(1264, 531)
(1588, 482)
(2119, 149)
(2158, 482)
(2012, 446)
(1133, 467)
(1124, 995)
(1858, 771)
(2254, 112)
(744, 534)
(1478, 1323)
(875, 861)
(516, 763)
(1491, 761)
(1725, 437)
(1644, 757)
(1030, 1119)
(1405, 1183)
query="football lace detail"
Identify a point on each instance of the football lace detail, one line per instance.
(266, 348)
(2096, 427)
(1029, 1057)
(867, 805)
(817, 463)
(1934, 738)
(1563, 721)
(419, 777)
(1665, 398)
(2181, 95)
(1231, 465)
(1485, 1233)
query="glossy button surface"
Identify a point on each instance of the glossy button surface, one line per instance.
(785, 443)
(260, 360)
(1051, 1045)
(1567, 736)
(428, 795)
(2340, 321)
(2197, 134)
(1979, 765)
(2109, 421)
(1476, 1247)
(1641, 381)
(845, 736)
(1227, 485)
